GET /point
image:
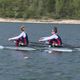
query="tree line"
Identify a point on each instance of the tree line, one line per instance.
(40, 9)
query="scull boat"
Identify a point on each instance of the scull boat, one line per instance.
(17, 48)
(41, 47)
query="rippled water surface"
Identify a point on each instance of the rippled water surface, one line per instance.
(39, 65)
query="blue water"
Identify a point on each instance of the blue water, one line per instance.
(39, 65)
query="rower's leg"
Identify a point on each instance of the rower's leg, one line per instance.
(17, 43)
(50, 43)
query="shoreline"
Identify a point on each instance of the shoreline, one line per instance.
(59, 21)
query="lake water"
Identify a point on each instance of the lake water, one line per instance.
(39, 65)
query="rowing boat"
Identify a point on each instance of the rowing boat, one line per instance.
(36, 48)
(60, 49)
(17, 48)
(41, 47)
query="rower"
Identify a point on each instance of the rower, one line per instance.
(54, 39)
(56, 32)
(22, 39)
(57, 42)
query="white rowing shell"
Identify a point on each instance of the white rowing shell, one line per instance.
(17, 48)
(46, 49)
(60, 49)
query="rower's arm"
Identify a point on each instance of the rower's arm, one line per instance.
(48, 38)
(17, 37)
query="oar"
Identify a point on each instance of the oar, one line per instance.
(38, 44)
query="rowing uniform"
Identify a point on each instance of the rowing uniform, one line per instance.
(54, 40)
(21, 40)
